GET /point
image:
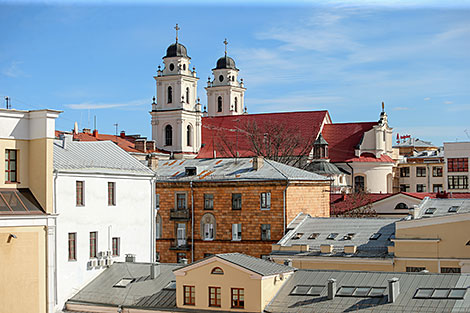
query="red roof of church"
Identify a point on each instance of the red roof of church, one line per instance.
(343, 138)
(225, 134)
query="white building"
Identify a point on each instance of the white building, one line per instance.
(456, 155)
(105, 202)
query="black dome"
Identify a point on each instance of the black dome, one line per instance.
(176, 50)
(225, 62)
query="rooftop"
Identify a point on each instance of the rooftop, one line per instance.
(443, 207)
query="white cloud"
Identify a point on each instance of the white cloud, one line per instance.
(427, 99)
(98, 106)
(14, 70)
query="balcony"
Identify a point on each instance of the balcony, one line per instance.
(180, 244)
(179, 215)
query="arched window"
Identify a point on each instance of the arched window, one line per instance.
(359, 184)
(208, 227)
(219, 104)
(401, 206)
(158, 226)
(168, 135)
(217, 271)
(236, 104)
(187, 95)
(189, 136)
(170, 94)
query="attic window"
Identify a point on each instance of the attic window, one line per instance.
(375, 236)
(297, 236)
(217, 271)
(332, 236)
(123, 282)
(313, 236)
(453, 209)
(307, 290)
(430, 211)
(348, 236)
(440, 293)
(190, 171)
(468, 243)
(353, 291)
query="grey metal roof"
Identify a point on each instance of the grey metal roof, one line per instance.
(442, 207)
(414, 142)
(362, 229)
(260, 266)
(143, 292)
(283, 302)
(96, 156)
(231, 169)
(323, 167)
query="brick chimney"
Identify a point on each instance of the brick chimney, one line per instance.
(122, 134)
(152, 162)
(87, 131)
(95, 133)
(140, 144)
(150, 145)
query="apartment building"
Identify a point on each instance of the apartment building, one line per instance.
(209, 206)
(456, 169)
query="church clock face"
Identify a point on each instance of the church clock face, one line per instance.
(172, 66)
(221, 78)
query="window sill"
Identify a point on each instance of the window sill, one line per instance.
(236, 240)
(74, 260)
(12, 182)
(265, 209)
(206, 239)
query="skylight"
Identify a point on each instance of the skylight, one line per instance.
(332, 236)
(297, 236)
(375, 236)
(313, 236)
(307, 290)
(430, 211)
(171, 285)
(440, 293)
(363, 291)
(348, 236)
(453, 209)
(123, 282)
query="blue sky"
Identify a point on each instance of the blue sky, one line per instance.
(98, 59)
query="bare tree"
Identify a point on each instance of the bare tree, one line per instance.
(357, 204)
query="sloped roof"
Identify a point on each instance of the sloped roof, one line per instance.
(442, 206)
(217, 131)
(103, 156)
(231, 169)
(343, 138)
(19, 201)
(414, 142)
(369, 157)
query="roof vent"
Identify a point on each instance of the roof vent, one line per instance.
(190, 171)
(130, 258)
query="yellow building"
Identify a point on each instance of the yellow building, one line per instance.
(27, 228)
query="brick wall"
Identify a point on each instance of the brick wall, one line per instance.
(312, 198)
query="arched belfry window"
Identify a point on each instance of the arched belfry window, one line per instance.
(189, 136)
(219, 104)
(217, 271)
(170, 94)
(236, 104)
(187, 95)
(208, 226)
(168, 135)
(359, 183)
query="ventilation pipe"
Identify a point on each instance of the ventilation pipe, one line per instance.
(393, 289)
(331, 288)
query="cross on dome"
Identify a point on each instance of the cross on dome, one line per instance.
(225, 43)
(177, 29)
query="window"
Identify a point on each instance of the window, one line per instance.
(157, 256)
(123, 282)
(168, 135)
(404, 172)
(189, 295)
(72, 246)
(217, 271)
(430, 211)
(219, 104)
(265, 231)
(440, 293)
(238, 298)
(437, 188)
(359, 183)
(157, 201)
(11, 166)
(93, 244)
(414, 269)
(307, 290)
(346, 291)
(457, 182)
(208, 227)
(404, 188)
(189, 136)
(158, 226)
(236, 104)
(297, 236)
(214, 297)
(457, 165)
(453, 209)
(401, 206)
(236, 201)
(180, 257)
(313, 236)
(187, 96)
(265, 200)
(79, 193)
(375, 236)
(236, 232)
(172, 67)
(420, 171)
(116, 246)
(208, 201)
(180, 234)
(437, 171)
(180, 201)
(349, 236)
(111, 193)
(170, 91)
(420, 188)
(450, 270)
(332, 236)
(206, 255)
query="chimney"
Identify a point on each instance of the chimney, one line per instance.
(326, 248)
(66, 139)
(95, 133)
(350, 249)
(258, 162)
(393, 289)
(130, 258)
(288, 262)
(154, 270)
(414, 211)
(152, 162)
(140, 144)
(122, 134)
(150, 145)
(87, 131)
(75, 128)
(331, 288)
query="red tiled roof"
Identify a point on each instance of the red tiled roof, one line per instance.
(225, 134)
(343, 138)
(369, 157)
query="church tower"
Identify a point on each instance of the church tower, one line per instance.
(176, 114)
(225, 94)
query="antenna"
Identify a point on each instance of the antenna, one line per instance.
(8, 104)
(116, 125)
(94, 123)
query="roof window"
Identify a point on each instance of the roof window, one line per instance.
(440, 293)
(123, 282)
(171, 285)
(307, 290)
(332, 236)
(453, 209)
(297, 236)
(313, 236)
(430, 211)
(348, 236)
(375, 236)
(190, 171)
(356, 291)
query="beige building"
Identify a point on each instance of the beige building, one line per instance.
(27, 229)
(456, 169)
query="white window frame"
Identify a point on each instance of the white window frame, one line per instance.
(265, 200)
(237, 232)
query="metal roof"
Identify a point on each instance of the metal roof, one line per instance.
(19, 201)
(284, 302)
(260, 266)
(93, 156)
(442, 207)
(362, 229)
(231, 169)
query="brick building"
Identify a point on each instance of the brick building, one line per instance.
(209, 206)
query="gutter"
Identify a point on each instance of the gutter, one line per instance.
(192, 221)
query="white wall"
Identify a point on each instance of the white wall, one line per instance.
(376, 175)
(387, 206)
(130, 219)
(27, 125)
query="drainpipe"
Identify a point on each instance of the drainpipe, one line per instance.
(56, 297)
(153, 203)
(284, 209)
(192, 221)
(352, 175)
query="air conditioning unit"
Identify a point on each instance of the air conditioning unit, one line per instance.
(102, 262)
(108, 262)
(109, 253)
(101, 254)
(94, 263)
(89, 265)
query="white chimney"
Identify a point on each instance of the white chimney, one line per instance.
(331, 288)
(393, 289)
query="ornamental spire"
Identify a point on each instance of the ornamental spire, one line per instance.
(225, 43)
(177, 29)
